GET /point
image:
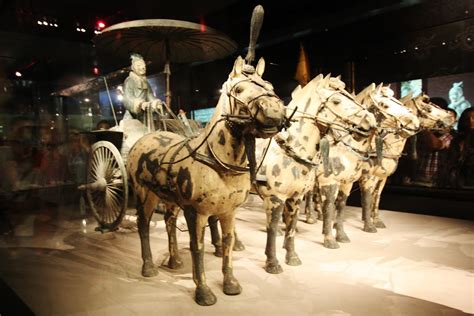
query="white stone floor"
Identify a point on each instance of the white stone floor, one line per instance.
(420, 265)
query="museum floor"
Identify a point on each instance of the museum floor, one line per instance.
(58, 265)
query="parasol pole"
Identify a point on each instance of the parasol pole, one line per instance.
(110, 100)
(167, 72)
(255, 26)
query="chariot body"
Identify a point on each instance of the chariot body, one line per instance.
(107, 187)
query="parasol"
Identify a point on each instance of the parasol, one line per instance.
(163, 42)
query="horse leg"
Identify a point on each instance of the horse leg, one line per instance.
(292, 208)
(215, 236)
(341, 200)
(318, 203)
(328, 197)
(171, 217)
(145, 208)
(309, 208)
(367, 186)
(238, 244)
(375, 209)
(231, 285)
(196, 225)
(274, 208)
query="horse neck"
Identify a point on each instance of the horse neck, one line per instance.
(228, 148)
(303, 135)
(393, 144)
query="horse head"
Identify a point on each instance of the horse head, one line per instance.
(340, 109)
(390, 113)
(253, 106)
(430, 115)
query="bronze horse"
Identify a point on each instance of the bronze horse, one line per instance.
(207, 175)
(288, 169)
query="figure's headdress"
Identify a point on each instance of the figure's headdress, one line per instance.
(135, 57)
(457, 87)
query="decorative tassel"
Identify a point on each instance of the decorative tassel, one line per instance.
(324, 147)
(379, 149)
(249, 142)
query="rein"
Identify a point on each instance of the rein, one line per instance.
(291, 153)
(235, 123)
(346, 124)
(424, 114)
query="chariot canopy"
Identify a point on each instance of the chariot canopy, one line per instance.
(163, 42)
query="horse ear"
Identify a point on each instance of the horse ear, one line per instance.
(379, 88)
(338, 77)
(318, 78)
(238, 66)
(373, 86)
(260, 66)
(360, 96)
(295, 92)
(326, 80)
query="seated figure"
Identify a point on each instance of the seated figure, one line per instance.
(138, 96)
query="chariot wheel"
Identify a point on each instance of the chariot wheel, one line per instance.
(107, 188)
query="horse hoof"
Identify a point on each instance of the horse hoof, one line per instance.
(149, 270)
(330, 244)
(232, 287)
(204, 296)
(379, 223)
(342, 238)
(238, 246)
(310, 220)
(175, 263)
(293, 260)
(218, 252)
(273, 268)
(370, 229)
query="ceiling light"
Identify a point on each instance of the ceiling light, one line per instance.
(18, 74)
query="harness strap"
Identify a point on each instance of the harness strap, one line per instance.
(291, 153)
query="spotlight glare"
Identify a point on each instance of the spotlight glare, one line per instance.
(18, 74)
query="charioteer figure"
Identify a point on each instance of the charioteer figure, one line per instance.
(138, 96)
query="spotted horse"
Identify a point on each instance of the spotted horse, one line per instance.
(394, 122)
(207, 175)
(343, 152)
(375, 176)
(287, 170)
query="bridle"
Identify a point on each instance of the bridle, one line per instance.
(343, 123)
(237, 121)
(397, 125)
(426, 115)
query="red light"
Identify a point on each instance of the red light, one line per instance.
(95, 70)
(203, 24)
(100, 24)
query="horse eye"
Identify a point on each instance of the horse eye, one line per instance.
(336, 100)
(238, 90)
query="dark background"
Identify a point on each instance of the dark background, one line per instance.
(386, 40)
(381, 40)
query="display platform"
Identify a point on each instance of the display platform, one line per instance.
(54, 263)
